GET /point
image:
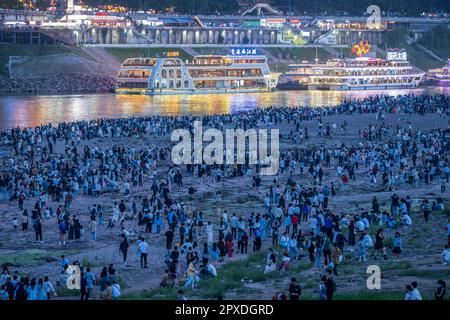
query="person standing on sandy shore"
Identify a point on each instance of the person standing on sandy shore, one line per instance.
(123, 248)
(143, 250)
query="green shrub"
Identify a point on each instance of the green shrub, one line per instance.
(31, 257)
(389, 242)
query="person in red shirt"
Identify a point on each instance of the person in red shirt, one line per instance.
(230, 248)
(294, 221)
(344, 181)
(244, 245)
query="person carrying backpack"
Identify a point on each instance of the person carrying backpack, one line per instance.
(116, 291)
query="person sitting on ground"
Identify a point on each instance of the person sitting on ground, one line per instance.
(116, 291)
(406, 220)
(284, 265)
(207, 270)
(409, 290)
(446, 255)
(415, 294)
(107, 294)
(168, 280)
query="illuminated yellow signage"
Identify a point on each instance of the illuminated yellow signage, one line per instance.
(173, 54)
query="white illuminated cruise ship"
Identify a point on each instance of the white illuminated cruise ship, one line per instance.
(242, 71)
(361, 73)
(440, 76)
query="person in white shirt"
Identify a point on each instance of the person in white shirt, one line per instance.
(293, 250)
(278, 213)
(446, 255)
(344, 223)
(234, 225)
(143, 250)
(313, 224)
(359, 226)
(267, 203)
(406, 220)
(284, 241)
(225, 216)
(209, 233)
(116, 291)
(115, 213)
(415, 294)
(366, 223)
(367, 240)
(212, 270)
(48, 287)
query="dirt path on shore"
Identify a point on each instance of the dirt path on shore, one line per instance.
(104, 57)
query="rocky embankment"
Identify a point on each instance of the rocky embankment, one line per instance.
(60, 83)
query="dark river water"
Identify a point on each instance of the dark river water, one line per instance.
(26, 111)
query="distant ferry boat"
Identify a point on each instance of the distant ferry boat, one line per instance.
(204, 74)
(363, 73)
(440, 76)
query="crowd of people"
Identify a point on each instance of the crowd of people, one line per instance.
(53, 167)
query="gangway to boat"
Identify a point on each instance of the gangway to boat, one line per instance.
(198, 21)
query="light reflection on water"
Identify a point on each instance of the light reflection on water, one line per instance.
(36, 110)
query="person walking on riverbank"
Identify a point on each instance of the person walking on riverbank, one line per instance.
(143, 250)
(38, 230)
(93, 227)
(123, 248)
(48, 287)
(230, 248)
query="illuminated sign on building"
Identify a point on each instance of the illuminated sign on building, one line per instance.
(273, 23)
(361, 49)
(397, 55)
(243, 52)
(173, 54)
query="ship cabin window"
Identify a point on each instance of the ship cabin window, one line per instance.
(212, 60)
(171, 62)
(140, 85)
(246, 61)
(136, 74)
(139, 62)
